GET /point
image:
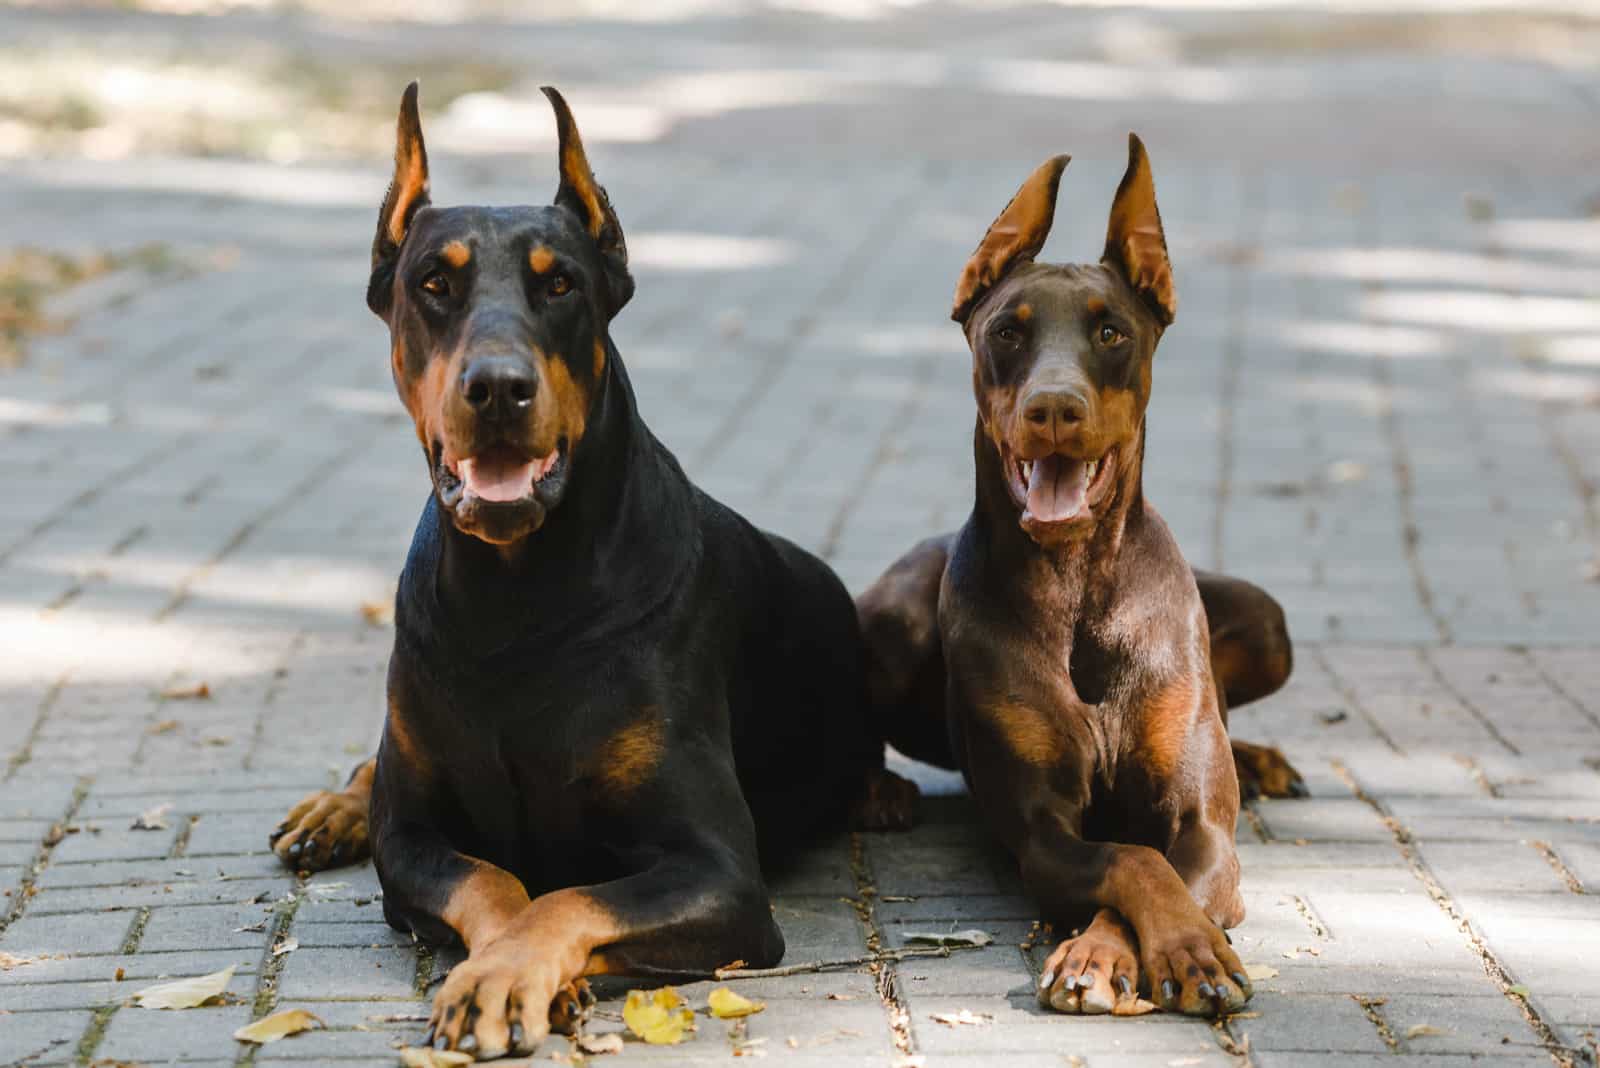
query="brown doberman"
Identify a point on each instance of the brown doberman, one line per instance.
(611, 699)
(1058, 649)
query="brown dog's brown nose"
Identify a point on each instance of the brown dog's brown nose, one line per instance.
(1054, 410)
(498, 386)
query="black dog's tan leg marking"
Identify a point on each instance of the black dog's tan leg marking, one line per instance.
(326, 828)
(524, 960)
(1094, 972)
(1251, 657)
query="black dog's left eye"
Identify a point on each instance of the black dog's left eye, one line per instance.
(437, 284)
(1007, 334)
(1110, 335)
(560, 285)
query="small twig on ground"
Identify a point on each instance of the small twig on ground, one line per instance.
(808, 967)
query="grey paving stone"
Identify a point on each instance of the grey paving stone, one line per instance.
(41, 1036)
(77, 933)
(312, 974)
(163, 1036)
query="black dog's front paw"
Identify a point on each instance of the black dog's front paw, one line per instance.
(887, 802)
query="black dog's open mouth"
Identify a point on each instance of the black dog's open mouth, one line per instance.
(502, 475)
(1056, 489)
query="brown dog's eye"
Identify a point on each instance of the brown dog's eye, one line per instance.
(1110, 335)
(437, 284)
(1007, 335)
(560, 285)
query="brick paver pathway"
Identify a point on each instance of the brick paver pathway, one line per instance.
(1381, 400)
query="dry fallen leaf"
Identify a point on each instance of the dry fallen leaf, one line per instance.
(278, 1025)
(964, 1018)
(378, 613)
(950, 938)
(197, 692)
(9, 961)
(1132, 1007)
(185, 993)
(726, 1005)
(1423, 1029)
(166, 726)
(658, 1016)
(151, 819)
(595, 1045)
(423, 1057)
(288, 945)
(1259, 971)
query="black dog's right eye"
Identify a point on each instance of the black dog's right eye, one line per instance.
(436, 284)
(1007, 334)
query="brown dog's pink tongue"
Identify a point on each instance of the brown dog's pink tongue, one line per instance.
(497, 477)
(1056, 488)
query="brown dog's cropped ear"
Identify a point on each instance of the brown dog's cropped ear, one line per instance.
(586, 198)
(1136, 246)
(1014, 238)
(408, 190)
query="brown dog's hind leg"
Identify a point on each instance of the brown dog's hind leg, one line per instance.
(1251, 657)
(327, 828)
(899, 616)
(1265, 772)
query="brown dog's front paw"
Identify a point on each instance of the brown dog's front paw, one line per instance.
(1265, 772)
(1192, 969)
(324, 830)
(1092, 974)
(887, 802)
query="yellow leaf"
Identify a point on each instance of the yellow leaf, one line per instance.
(278, 1025)
(1423, 1029)
(185, 993)
(726, 1005)
(1260, 971)
(658, 1016)
(423, 1057)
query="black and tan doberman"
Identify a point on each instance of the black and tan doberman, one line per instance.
(1059, 650)
(609, 695)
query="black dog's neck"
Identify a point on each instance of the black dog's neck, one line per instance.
(1076, 577)
(608, 552)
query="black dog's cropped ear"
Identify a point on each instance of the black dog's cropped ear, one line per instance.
(580, 194)
(1014, 238)
(1136, 246)
(408, 191)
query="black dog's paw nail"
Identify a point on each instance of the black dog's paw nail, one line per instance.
(1085, 982)
(441, 1043)
(1169, 991)
(1126, 985)
(1298, 788)
(468, 1044)
(517, 1035)
(1206, 991)
(1069, 983)
(294, 850)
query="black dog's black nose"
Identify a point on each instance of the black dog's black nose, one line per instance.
(498, 385)
(1054, 408)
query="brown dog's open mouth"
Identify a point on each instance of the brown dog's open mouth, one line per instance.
(1058, 489)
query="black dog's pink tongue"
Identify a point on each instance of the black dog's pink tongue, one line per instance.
(498, 476)
(1056, 488)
